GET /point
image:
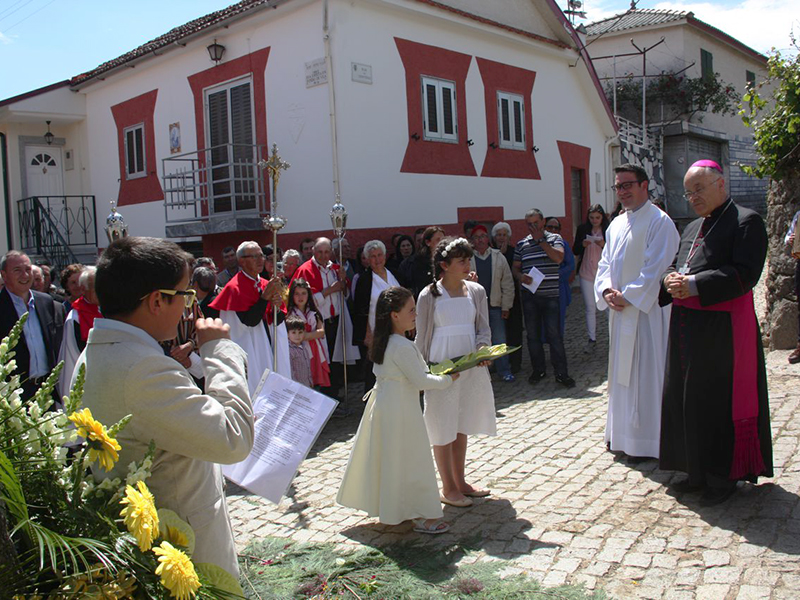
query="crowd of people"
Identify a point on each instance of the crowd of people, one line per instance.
(185, 345)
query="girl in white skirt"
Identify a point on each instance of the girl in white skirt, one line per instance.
(453, 320)
(390, 472)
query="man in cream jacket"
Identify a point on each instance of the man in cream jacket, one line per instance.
(492, 272)
(143, 287)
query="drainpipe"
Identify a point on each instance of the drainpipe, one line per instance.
(607, 171)
(331, 97)
(6, 191)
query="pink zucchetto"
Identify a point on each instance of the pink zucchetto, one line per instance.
(707, 163)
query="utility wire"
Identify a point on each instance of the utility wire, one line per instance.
(29, 16)
(8, 14)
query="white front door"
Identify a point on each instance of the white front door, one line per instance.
(44, 171)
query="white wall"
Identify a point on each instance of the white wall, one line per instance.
(681, 48)
(372, 125)
(373, 142)
(294, 35)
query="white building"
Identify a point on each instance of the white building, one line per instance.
(695, 49)
(416, 112)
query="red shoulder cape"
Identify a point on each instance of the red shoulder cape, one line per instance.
(310, 272)
(239, 294)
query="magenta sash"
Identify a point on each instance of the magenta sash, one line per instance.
(747, 457)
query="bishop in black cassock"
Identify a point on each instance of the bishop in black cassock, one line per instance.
(715, 413)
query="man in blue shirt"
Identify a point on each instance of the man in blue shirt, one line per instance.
(545, 251)
(41, 338)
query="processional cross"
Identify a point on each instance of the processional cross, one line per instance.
(273, 167)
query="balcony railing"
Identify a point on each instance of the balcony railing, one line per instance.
(56, 226)
(222, 181)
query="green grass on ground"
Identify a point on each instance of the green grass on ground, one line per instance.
(277, 568)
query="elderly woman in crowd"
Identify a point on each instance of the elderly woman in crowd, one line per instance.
(501, 240)
(370, 285)
(85, 309)
(416, 271)
(291, 260)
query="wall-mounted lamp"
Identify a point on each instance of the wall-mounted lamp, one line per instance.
(470, 143)
(215, 52)
(493, 145)
(415, 137)
(48, 137)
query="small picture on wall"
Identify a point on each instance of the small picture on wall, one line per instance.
(174, 138)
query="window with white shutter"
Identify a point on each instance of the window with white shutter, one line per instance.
(511, 120)
(135, 164)
(229, 110)
(439, 110)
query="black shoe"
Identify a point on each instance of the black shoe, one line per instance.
(686, 486)
(536, 377)
(714, 496)
(565, 380)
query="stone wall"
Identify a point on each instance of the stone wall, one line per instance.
(746, 190)
(780, 327)
(651, 159)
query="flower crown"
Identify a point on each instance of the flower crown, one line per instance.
(456, 242)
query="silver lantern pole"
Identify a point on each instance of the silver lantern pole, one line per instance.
(115, 228)
(339, 223)
(273, 167)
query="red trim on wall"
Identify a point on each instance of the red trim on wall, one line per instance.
(423, 156)
(574, 156)
(253, 64)
(505, 162)
(126, 114)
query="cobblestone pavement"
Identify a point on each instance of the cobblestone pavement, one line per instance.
(563, 510)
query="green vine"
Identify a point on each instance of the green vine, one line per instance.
(679, 96)
(772, 110)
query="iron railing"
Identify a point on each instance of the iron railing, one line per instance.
(51, 226)
(220, 181)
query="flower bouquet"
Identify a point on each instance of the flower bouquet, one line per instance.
(64, 536)
(472, 359)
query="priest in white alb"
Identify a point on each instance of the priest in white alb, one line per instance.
(640, 244)
(245, 304)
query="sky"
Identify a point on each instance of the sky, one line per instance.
(46, 41)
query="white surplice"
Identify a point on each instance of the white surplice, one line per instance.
(634, 411)
(255, 342)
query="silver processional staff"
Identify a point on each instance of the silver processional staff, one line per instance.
(339, 224)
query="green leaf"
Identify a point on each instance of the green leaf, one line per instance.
(11, 492)
(217, 577)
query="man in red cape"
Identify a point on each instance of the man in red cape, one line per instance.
(245, 305)
(328, 282)
(715, 422)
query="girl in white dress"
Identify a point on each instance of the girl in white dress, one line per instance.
(390, 472)
(453, 320)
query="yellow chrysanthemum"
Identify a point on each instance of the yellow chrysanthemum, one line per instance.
(102, 447)
(141, 516)
(176, 571)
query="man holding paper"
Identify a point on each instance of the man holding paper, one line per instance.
(640, 244)
(536, 261)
